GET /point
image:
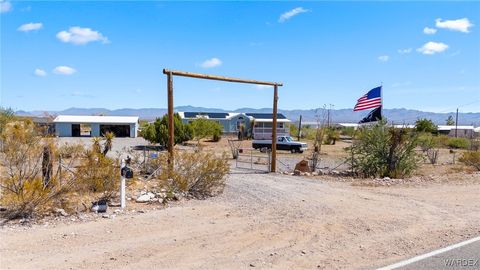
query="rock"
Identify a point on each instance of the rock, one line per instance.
(178, 196)
(386, 178)
(143, 198)
(296, 172)
(61, 212)
(105, 216)
(160, 200)
(117, 211)
(302, 166)
(151, 195)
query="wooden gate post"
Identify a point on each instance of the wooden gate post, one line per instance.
(170, 122)
(274, 130)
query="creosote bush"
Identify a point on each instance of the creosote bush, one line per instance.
(471, 159)
(201, 174)
(381, 151)
(98, 174)
(31, 181)
(458, 143)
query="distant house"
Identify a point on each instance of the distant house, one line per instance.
(232, 123)
(461, 131)
(95, 126)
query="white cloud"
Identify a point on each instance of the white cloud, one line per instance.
(429, 31)
(291, 13)
(384, 58)
(30, 27)
(461, 25)
(405, 51)
(5, 6)
(40, 72)
(211, 63)
(261, 86)
(64, 70)
(433, 47)
(80, 36)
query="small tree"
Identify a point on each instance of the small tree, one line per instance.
(450, 121)
(425, 125)
(203, 128)
(158, 131)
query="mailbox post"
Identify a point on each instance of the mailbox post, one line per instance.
(125, 173)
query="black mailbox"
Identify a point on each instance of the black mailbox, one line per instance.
(127, 172)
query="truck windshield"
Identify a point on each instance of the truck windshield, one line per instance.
(289, 139)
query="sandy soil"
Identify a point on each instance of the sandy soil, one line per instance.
(261, 221)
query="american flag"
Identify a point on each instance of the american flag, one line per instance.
(372, 99)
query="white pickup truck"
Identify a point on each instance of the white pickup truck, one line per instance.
(283, 143)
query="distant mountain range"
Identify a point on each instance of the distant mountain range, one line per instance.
(400, 116)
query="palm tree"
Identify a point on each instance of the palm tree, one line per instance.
(108, 136)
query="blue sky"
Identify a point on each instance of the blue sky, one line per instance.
(56, 55)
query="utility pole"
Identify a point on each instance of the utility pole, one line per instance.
(456, 124)
(299, 128)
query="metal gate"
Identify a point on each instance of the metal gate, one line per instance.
(253, 160)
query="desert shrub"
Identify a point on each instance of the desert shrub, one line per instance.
(7, 115)
(331, 136)
(30, 183)
(380, 150)
(201, 174)
(347, 131)
(428, 144)
(158, 131)
(98, 174)
(471, 159)
(425, 125)
(441, 140)
(203, 128)
(458, 143)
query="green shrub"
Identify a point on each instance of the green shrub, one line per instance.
(441, 140)
(203, 128)
(471, 159)
(380, 151)
(425, 125)
(458, 143)
(158, 131)
(331, 136)
(347, 131)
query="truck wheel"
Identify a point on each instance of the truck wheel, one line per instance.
(293, 150)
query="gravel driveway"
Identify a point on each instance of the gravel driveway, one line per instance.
(260, 221)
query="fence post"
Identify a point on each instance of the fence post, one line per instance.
(122, 185)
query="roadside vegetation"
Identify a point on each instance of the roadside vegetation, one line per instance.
(39, 177)
(383, 151)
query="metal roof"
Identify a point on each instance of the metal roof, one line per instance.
(96, 119)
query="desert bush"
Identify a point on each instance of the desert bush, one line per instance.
(458, 143)
(98, 174)
(428, 144)
(203, 128)
(158, 131)
(380, 151)
(331, 136)
(30, 183)
(471, 159)
(425, 125)
(347, 131)
(200, 174)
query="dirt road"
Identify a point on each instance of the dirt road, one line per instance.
(261, 221)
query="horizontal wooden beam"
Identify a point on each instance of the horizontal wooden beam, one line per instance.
(217, 78)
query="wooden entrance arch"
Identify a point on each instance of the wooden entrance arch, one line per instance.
(171, 73)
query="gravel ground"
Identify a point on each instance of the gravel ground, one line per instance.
(260, 221)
